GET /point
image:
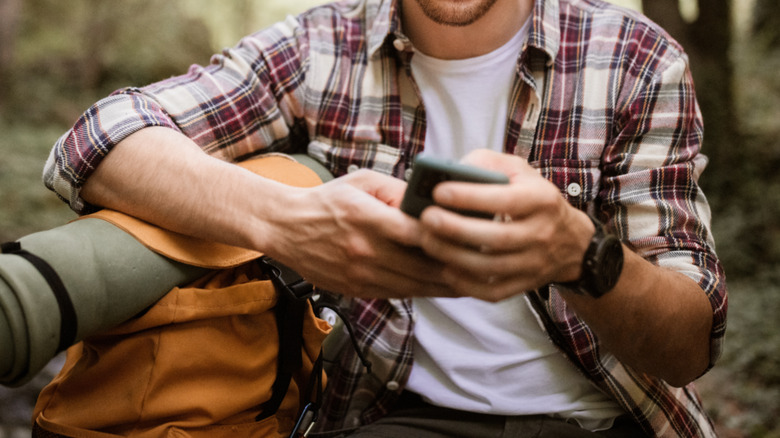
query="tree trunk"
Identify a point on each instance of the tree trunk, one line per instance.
(766, 23)
(707, 41)
(667, 14)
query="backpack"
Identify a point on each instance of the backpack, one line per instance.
(235, 351)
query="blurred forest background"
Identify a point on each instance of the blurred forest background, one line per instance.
(56, 58)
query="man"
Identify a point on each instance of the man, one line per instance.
(586, 107)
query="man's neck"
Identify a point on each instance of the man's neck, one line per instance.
(491, 31)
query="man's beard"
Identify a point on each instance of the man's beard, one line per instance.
(454, 15)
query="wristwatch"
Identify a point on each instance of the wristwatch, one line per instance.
(601, 265)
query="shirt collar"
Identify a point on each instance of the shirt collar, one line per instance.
(386, 19)
(544, 34)
(545, 31)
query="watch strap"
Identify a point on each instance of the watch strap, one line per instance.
(590, 282)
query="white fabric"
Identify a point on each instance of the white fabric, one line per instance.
(469, 354)
(494, 358)
(466, 100)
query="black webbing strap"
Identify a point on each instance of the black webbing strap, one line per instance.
(293, 294)
(68, 318)
(310, 412)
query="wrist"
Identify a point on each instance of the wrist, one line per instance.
(582, 230)
(272, 214)
(601, 263)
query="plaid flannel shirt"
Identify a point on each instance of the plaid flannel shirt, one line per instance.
(603, 106)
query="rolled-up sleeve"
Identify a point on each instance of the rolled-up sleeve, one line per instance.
(651, 186)
(232, 108)
(79, 151)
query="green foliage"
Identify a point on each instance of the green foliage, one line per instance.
(752, 342)
(25, 205)
(71, 53)
(742, 392)
(745, 224)
(766, 21)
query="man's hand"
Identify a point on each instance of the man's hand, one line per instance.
(656, 320)
(349, 236)
(541, 238)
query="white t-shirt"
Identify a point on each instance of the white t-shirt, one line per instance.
(470, 354)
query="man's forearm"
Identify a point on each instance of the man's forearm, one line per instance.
(655, 320)
(347, 235)
(161, 176)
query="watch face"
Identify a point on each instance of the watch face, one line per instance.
(601, 265)
(610, 264)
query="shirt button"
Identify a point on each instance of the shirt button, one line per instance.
(574, 189)
(399, 45)
(392, 385)
(353, 168)
(408, 174)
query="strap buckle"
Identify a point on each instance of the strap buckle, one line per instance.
(286, 279)
(293, 295)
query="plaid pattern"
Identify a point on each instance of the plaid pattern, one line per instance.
(603, 99)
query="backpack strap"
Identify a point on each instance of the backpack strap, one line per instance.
(310, 412)
(293, 295)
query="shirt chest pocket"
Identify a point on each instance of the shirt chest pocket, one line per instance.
(578, 180)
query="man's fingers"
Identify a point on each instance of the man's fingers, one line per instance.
(387, 189)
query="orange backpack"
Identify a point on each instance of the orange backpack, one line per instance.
(205, 360)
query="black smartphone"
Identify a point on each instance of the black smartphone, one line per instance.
(429, 171)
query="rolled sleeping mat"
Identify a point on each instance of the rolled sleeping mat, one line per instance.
(62, 285)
